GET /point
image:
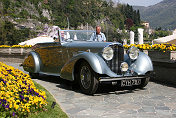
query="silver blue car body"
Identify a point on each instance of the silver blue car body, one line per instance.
(64, 57)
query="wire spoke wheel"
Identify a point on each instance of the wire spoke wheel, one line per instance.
(85, 76)
(87, 79)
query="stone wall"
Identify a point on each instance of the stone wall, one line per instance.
(165, 72)
(159, 56)
(15, 55)
(164, 64)
(14, 51)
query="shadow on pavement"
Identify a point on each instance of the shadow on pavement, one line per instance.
(104, 89)
(110, 89)
(60, 83)
(164, 83)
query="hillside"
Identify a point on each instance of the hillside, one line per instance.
(26, 14)
(21, 19)
(160, 15)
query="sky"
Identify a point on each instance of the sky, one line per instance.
(140, 2)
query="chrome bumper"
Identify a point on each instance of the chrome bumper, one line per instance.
(107, 79)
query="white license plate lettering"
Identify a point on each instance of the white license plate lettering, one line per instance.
(130, 82)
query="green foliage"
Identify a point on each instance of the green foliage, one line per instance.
(90, 11)
(9, 35)
(43, 19)
(34, 17)
(6, 5)
(17, 4)
(50, 112)
(135, 30)
(24, 14)
(35, 2)
(76, 12)
(159, 33)
(45, 6)
(125, 35)
(130, 15)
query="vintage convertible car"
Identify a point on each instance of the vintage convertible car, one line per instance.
(77, 58)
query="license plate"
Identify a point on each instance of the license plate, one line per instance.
(130, 82)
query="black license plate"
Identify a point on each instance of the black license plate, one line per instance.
(130, 82)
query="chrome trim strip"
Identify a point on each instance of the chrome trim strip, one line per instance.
(106, 79)
(49, 74)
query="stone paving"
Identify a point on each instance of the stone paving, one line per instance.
(155, 101)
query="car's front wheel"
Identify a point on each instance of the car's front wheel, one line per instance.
(87, 79)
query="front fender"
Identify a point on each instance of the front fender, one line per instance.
(142, 65)
(32, 63)
(95, 61)
(67, 72)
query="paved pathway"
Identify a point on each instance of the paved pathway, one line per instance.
(155, 101)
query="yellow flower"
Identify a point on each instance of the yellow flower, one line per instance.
(16, 82)
(16, 106)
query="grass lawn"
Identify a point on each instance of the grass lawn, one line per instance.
(50, 112)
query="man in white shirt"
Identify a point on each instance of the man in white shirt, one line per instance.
(98, 35)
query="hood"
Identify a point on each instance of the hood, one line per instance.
(90, 45)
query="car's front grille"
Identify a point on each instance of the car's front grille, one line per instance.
(118, 58)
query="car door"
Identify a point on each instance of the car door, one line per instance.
(51, 57)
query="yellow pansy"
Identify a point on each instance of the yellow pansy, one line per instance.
(18, 90)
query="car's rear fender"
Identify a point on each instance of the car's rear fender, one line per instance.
(95, 61)
(32, 63)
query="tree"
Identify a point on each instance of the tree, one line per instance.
(121, 25)
(76, 12)
(160, 33)
(6, 5)
(138, 17)
(129, 23)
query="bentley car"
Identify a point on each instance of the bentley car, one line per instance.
(73, 56)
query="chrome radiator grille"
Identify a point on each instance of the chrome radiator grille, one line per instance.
(118, 58)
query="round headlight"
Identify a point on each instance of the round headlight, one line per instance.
(108, 53)
(133, 53)
(124, 67)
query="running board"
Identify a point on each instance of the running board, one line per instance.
(49, 74)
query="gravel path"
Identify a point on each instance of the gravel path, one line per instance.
(11, 60)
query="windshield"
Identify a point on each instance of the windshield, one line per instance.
(75, 35)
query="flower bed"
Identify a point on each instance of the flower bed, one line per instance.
(158, 52)
(15, 46)
(161, 47)
(18, 94)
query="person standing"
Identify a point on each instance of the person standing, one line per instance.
(98, 35)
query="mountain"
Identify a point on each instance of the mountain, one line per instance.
(160, 15)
